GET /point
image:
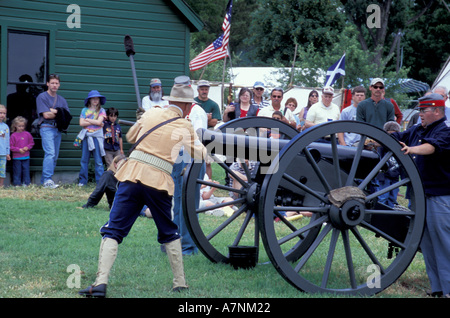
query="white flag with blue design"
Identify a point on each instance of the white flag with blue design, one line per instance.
(335, 71)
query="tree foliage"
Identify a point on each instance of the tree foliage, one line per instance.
(411, 40)
(406, 29)
(280, 24)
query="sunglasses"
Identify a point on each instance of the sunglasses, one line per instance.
(259, 89)
(277, 96)
(378, 87)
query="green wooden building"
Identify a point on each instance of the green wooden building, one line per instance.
(83, 42)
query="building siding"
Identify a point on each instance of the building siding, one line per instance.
(93, 56)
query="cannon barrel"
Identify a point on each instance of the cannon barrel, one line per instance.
(265, 150)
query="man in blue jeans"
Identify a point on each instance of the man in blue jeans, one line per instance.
(48, 103)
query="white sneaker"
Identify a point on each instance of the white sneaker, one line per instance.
(50, 184)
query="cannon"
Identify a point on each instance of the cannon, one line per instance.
(342, 240)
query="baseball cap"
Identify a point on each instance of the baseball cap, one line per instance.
(328, 90)
(203, 83)
(258, 84)
(376, 80)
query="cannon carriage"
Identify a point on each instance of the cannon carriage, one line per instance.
(339, 241)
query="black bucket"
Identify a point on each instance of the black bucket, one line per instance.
(243, 256)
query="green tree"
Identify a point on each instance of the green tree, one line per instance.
(312, 64)
(408, 33)
(426, 47)
(278, 25)
(412, 39)
(212, 13)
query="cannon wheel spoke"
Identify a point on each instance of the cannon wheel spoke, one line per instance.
(343, 247)
(212, 235)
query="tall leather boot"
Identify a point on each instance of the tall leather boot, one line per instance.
(107, 256)
(173, 250)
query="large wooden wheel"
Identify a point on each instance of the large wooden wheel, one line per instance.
(352, 230)
(240, 228)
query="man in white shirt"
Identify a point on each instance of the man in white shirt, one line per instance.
(276, 97)
(199, 119)
(155, 96)
(323, 111)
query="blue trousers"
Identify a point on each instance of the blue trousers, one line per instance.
(84, 162)
(187, 243)
(51, 141)
(21, 172)
(128, 202)
(435, 243)
(388, 198)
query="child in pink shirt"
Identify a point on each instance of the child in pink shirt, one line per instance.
(21, 143)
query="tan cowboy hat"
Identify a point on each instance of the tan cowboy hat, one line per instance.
(181, 93)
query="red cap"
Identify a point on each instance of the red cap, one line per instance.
(431, 100)
(432, 103)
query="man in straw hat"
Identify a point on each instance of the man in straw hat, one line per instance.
(429, 145)
(145, 179)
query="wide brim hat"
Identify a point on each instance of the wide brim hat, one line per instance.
(181, 93)
(95, 93)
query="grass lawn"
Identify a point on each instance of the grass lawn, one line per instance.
(45, 238)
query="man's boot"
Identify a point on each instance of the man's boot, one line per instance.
(107, 256)
(173, 250)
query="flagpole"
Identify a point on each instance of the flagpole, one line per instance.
(230, 88)
(342, 90)
(216, 50)
(204, 69)
(293, 65)
(223, 79)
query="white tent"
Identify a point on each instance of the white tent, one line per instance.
(247, 76)
(271, 77)
(443, 79)
(301, 95)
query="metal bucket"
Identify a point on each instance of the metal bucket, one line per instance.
(243, 256)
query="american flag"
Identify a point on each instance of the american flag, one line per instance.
(219, 48)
